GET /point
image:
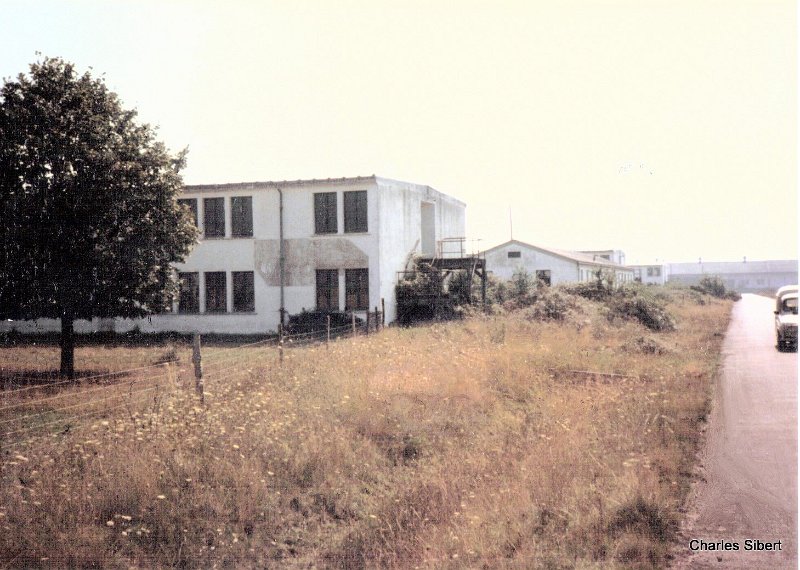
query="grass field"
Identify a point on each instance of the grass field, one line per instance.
(494, 442)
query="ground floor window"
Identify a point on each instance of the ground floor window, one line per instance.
(244, 297)
(543, 275)
(356, 288)
(189, 293)
(216, 292)
(328, 289)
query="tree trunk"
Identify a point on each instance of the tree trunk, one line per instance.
(67, 342)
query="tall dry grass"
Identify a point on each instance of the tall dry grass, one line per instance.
(478, 444)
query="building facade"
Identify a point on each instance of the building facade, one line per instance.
(654, 274)
(552, 266)
(742, 276)
(273, 247)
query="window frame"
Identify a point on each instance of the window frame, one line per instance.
(514, 255)
(241, 230)
(223, 293)
(249, 305)
(219, 217)
(545, 276)
(326, 213)
(355, 204)
(192, 203)
(327, 287)
(360, 279)
(182, 282)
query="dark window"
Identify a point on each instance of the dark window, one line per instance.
(216, 292)
(242, 216)
(325, 213)
(189, 293)
(328, 289)
(244, 294)
(356, 286)
(191, 203)
(543, 275)
(214, 217)
(512, 254)
(355, 211)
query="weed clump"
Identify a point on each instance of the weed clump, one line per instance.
(646, 345)
(715, 287)
(634, 303)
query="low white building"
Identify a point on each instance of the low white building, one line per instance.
(342, 242)
(742, 276)
(653, 274)
(552, 266)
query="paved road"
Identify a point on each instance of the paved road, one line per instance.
(749, 464)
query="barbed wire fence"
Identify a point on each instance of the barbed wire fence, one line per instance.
(34, 414)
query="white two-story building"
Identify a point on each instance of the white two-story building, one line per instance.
(273, 247)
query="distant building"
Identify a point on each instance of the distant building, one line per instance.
(613, 255)
(654, 274)
(742, 276)
(552, 266)
(343, 242)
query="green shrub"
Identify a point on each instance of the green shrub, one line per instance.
(634, 303)
(714, 286)
(550, 305)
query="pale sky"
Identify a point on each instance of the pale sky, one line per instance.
(667, 129)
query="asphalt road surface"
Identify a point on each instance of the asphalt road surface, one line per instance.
(749, 465)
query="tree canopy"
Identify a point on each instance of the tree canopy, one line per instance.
(88, 196)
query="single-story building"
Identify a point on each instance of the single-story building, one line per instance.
(552, 266)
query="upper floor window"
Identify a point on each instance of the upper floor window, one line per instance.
(514, 254)
(216, 292)
(191, 203)
(325, 213)
(189, 293)
(355, 211)
(214, 217)
(242, 216)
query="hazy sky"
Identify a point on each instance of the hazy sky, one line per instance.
(665, 129)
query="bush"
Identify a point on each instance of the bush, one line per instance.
(715, 287)
(550, 305)
(315, 321)
(634, 303)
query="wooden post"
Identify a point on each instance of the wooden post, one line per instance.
(353, 319)
(198, 367)
(383, 313)
(280, 343)
(367, 320)
(328, 340)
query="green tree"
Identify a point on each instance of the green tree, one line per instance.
(91, 224)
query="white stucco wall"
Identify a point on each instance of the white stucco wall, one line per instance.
(400, 237)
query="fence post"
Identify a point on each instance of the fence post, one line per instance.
(353, 320)
(280, 343)
(377, 319)
(367, 320)
(198, 367)
(328, 338)
(383, 313)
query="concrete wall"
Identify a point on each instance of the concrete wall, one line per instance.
(400, 208)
